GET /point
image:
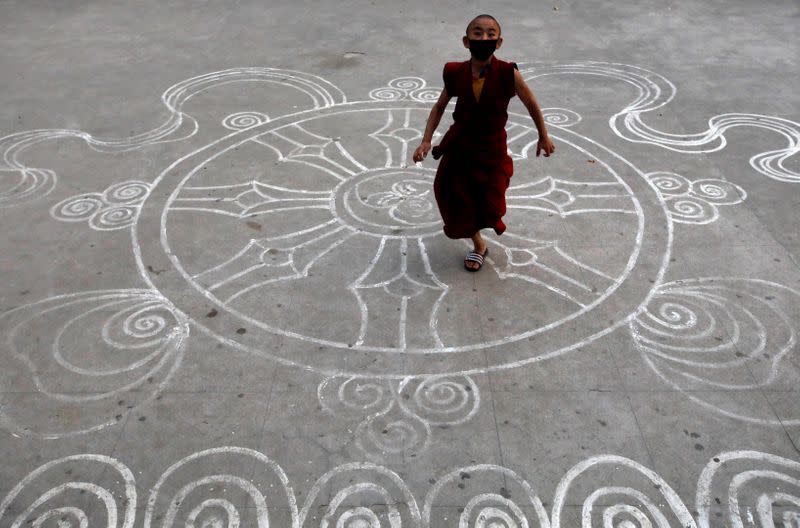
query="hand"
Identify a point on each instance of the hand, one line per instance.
(422, 151)
(545, 145)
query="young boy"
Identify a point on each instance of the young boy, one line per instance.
(475, 169)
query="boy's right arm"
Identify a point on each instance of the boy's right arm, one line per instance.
(433, 121)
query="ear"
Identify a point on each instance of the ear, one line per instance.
(465, 40)
(499, 42)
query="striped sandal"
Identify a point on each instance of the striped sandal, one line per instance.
(474, 256)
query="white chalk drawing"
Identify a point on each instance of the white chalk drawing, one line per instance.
(397, 416)
(131, 343)
(242, 120)
(698, 201)
(323, 199)
(235, 486)
(484, 495)
(721, 334)
(221, 487)
(115, 208)
(406, 88)
(26, 183)
(69, 492)
(332, 207)
(762, 490)
(654, 92)
(563, 117)
(633, 496)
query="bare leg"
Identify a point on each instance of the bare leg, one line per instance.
(480, 247)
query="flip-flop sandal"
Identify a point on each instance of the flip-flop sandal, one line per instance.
(474, 256)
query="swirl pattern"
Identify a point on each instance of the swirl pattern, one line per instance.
(115, 208)
(730, 334)
(243, 120)
(635, 498)
(448, 400)
(115, 217)
(406, 88)
(72, 503)
(763, 490)
(362, 495)
(126, 192)
(78, 208)
(516, 505)
(129, 339)
(194, 492)
(695, 202)
(236, 486)
(562, 117)
(396, 416)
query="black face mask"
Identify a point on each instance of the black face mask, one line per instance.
(482, 49)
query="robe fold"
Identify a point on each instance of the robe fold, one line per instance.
(475, 168)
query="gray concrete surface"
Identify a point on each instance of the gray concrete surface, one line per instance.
(231, 305)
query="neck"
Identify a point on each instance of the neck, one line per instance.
(478, 65)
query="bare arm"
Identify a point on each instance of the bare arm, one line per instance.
(433, 121)
(526, 96)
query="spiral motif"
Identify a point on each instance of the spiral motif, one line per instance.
(619, 516)
(360, 517)
(669, 183)
(407, 84)
(354, 394)
(342, 498)
(114, 217)
(387, 94)
(719, 192)
(391, 434)
(115, 208)
(691, 210)
(695, 202)
(561, 117)
(395, 437)
(515, 506)
(425, 95)
(196, 492)
(131, 343)
(645, 501)
(128, 192)
(46, 497)
(441, 400)
(144, 325)
(688, 327)
(716, 334)
(442, 395)
(242, 120)
(413, 88)
(761, 489)
(362, 393)
(492, 511)
(78, 208)
(675, 315)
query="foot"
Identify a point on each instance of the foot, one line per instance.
(474, 259)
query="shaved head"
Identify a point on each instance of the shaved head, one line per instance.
(484, 17)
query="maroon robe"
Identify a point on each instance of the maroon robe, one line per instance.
(475, 169)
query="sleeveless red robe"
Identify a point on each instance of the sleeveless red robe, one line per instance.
(475, 168)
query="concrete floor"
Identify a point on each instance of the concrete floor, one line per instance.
(233, 306)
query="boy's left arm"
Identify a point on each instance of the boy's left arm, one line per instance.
(526, 96)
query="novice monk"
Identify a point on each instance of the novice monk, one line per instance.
(475, 170)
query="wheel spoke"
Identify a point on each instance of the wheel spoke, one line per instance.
(267, 260)
(546, 264)
(296, 144)
(399, 290)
